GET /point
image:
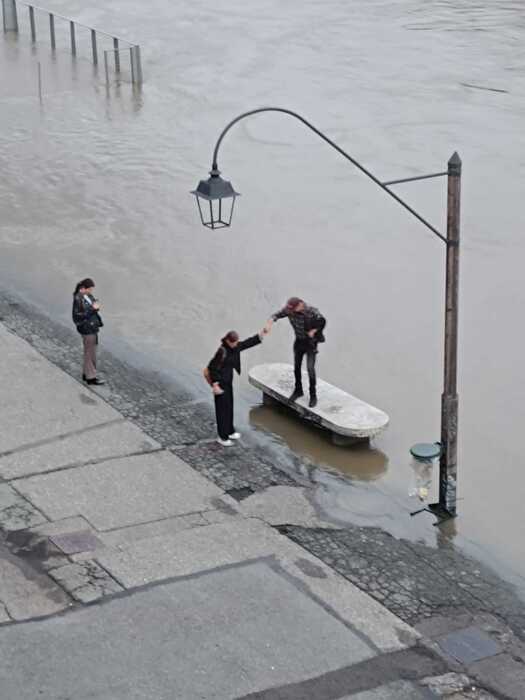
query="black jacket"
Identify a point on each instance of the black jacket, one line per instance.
(227, 359)
(85, 318)
(308, 320)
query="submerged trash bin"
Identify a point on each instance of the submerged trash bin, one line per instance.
(424, 455)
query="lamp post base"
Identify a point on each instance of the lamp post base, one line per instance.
(441, 513)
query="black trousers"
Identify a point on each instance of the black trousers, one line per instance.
(300, 349)
(224, 412)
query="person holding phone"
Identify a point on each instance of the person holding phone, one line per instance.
(86, 318)
(219, 374)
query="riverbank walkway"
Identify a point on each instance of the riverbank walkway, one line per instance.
(126, 574)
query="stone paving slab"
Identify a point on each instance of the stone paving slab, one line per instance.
(283, 505)
(400, 690)
(122, 492)
(169, 526)
(239, 630)
(27, 414)
(85, 581)
(26, 592)
(15, 512)
(203, 548)
(503, 673)
(98, 443)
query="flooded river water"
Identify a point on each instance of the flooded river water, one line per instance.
(96, 181)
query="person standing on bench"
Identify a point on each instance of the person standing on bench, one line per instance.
(219, 375)
(308, 324)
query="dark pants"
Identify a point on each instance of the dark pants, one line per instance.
(224, 412)
(300, 349)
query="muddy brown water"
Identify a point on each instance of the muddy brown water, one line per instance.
(96, 181)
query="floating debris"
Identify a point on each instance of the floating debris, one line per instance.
(482, 87)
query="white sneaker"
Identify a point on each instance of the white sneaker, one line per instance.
(235, 436)
(224, 443)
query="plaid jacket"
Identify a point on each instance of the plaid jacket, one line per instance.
(303, 322)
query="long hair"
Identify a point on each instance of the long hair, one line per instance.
(85, 283)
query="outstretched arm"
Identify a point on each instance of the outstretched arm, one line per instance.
(250, 342)
(283, 313)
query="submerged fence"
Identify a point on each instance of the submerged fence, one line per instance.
(10, 16)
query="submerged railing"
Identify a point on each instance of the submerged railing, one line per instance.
(10, 17)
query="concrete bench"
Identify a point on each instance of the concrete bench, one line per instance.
(349, 419)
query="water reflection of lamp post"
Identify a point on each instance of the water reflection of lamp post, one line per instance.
(216, 198)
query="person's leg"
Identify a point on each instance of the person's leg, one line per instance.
(310, 365)
(221, 412)
(229, 394)
(298, 351)
(90, 354)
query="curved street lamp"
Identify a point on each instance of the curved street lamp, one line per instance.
(216, 200)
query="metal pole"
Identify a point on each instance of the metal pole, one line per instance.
(32, 23)
(117, 57)
(106, 67)
(94, 46)
(73, 41)
(52, 31)
(449, 399)
(39, 81)
(136, 65)
(10, 15)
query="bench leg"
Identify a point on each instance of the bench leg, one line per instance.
(269, 400)
(347, 440)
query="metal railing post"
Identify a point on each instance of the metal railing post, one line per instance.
(10, 15)
(73, 38)
(39, 81)
(52, 31)
(136, 65)
(94, 46)
(117, 57)
(32, 23)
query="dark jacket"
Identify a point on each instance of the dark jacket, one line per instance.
(227, 359)
(85, 317)
(305, 321)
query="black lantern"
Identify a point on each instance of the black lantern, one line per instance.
(212, 197)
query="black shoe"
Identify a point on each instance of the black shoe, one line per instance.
(84, 378)
(96, 381)
(297, 393)
(313, 401)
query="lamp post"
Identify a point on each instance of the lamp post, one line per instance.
(216, 199)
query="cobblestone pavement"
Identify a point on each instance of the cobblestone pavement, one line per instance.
(429, 588)
(413, 581)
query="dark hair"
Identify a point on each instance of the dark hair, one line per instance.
(85, 283)
(231, 337)
(293, 303)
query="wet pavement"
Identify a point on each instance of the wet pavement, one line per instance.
(96, 181)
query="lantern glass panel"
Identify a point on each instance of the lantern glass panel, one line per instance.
(215, 213)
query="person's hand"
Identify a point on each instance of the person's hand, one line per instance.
(268, 327)
(312, 332)
(216, 388)
(96, 306)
